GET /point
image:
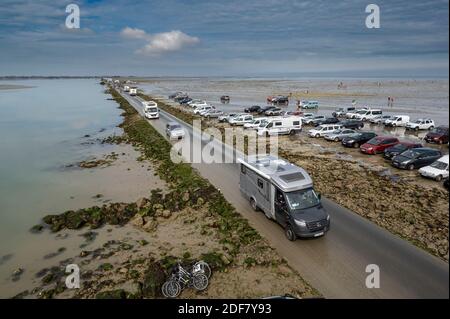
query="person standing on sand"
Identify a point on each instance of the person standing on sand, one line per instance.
(389, 101)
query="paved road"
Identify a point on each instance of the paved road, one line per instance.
(335, 264)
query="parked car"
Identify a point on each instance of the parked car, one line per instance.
(273, 112)
(367, 114)
(352, 124)
(201, 109)
(174, 95)
(306, 116)
(380, 119)
(309, 104)
(438, 170)
(185, 101)
(280, 100)
(357, 139)
(256, 123)
(438, 135)
(416, 158)
(263, 110)
(323, 129)
(198, 104)
(340, 111)
(252, 109)
(378, 144)
(397, 120)
(399, 148)
(174, 130)
(241, 120)
(338, 135)
(420, 124)
(228, 116)
(180, 97)
(352, 113)
(213, 113)
(225, 99)
(312, 119)
(294, 113)
(327, 120)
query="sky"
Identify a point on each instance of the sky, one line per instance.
(225, 38)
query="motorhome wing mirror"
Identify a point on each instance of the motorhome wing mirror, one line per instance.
(319, 195)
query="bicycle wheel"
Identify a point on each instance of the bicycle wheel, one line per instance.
(202, 267)
(172, 289)
(200, 282)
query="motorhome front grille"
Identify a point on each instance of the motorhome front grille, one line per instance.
(317, 225)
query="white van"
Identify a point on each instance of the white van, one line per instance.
(397, 120)
(126, 88)
(280, 125)
(323, 129)
(151, 110)
(256, 122)
(200, 109)
(197, 104)
(438, 170)
(241, 119)
(367, 115)
(133, 91)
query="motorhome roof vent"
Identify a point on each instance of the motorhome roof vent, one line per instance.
(288, 178)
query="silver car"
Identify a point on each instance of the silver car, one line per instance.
(338, 135)
(174, 131)
(213, 114)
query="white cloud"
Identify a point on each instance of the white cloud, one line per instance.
(160, 43)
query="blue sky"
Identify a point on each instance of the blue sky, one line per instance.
(226, 37)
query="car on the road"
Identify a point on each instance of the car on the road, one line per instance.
(399, 148)
(151, 110)
(397, 120)
(323, 129)
(352, 124)
(378, 144)
(339, 134)
(438, 170)
(357, 139)
(252, 109)
(416, 158)
(438, 135)
(310, 120)
(174, 131)
(420, 124)
(327, 120)
(274, 112)
(213, 113)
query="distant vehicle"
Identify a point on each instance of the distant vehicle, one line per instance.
(416, 158)
(266, 108)
(368, 114)
(327, 120)
(185, 101)
(252, 109)
(256, 123)
(314, 118)
(174, 131)
(380, 119)
(174, 95)
(285, 193)
(306, 116)
(323, 129)
(194, 102)
(397, 120)
(280, 126)
(352, 124)
(198, 110)
(151, 110)
(438, 135)
(338, 135)
(294, 113)
(126, 88)
(241, 120)
(309, 104)
(180, 97)
(228, 116)
(340, 111)
(213, 113)
(420, 124)
(378, 144)
(280, 100)
(352, 113)
(401, 147)
(198, 104)
(357, 139)
(274, 111)
(438, 170)
(133, 91)
(225, 99)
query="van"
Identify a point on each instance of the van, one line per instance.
(241, 119)
(126, 88)
(309, 104)
(323, 129)
(133, 91)
(200, 109)
(437, 171)
(285, 193)
(280, 126)
(367, 115)
(397, 120)
(256, 122)
(151, 110)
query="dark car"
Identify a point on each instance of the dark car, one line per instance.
(378, 144)
(328, 120)
(416, 158)
(252, 109)
(180, 98)
(280, 100)
(357, 139)
(401, 147)
(265, 109)
(353, 124)
(438, 135)
(185, 101)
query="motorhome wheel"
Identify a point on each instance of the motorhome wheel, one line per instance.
(290, 234)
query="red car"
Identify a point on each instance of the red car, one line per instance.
(378, 144)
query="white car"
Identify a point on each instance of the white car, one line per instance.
(256, 122)
(306, 116)
(200, 109)
(438, 170)
(198, 104)
(420, 124)
(321, 130)
(241, 119)
(367, 114)
(206, 110)
(397, 120)
(174, 131)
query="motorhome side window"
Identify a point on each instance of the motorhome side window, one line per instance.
(260, 184)
(296, 123)
(243, 169)
(277, 123)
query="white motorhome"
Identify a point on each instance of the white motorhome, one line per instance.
(133, 91)
(151, 110)
(280, 126)
(285, 193)
(126, 88)
(438, 170)
(397, 120)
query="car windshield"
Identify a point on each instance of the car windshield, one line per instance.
(400, 147)
(410, 154)
(439, 165)
(375, 141)
(175, 127)
(302, 199)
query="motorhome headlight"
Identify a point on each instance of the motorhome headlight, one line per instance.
(328, 217)
(300, 222)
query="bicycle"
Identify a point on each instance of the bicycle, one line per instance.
(197, 277)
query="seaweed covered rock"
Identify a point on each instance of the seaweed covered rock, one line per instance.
(112, 294)
(154, 277)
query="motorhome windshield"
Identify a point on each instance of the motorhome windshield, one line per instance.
(152, 110)
(302, 199)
